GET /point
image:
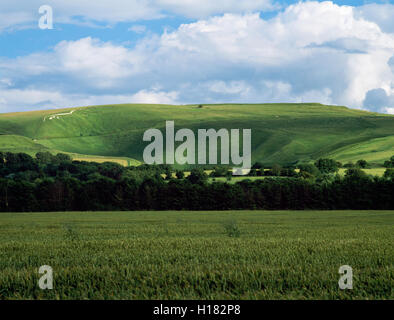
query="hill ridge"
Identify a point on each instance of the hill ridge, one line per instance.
(281, 133)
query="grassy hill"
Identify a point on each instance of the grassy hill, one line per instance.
(281, 133)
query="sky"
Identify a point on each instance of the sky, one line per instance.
(338, 52)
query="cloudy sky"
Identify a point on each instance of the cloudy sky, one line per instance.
(197, 51)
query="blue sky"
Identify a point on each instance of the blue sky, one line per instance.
(171, 51)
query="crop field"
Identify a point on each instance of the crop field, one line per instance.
(197, 255)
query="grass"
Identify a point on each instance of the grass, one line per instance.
(197, 255)
(124, 161)
(13, 143)
(374, 150)
(235, 179)
(281, 133)
(372, 171)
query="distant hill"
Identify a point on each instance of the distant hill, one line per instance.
(281, 133)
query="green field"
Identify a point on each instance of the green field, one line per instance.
(198, 255)
(373, 172)
(281, 133)
(234, 179)
(13, 143)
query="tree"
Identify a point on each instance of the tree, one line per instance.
(2, 158)
(349, 165)
(180, 174)
(111, 170)
(389, 173)
(325, 179)
(11, 159)
(355, 173)
(306, 175)
(276, 170)
(310, 168)
(253, 173)
(26, 162)
(362, 164)
(62, 157)
(19, 162)
(81, 185)
(197, 176)
(288, 172)
(326, 165)
(389, 163)
(219, 172)
(258, 165)
(44, 157)
(168, 174)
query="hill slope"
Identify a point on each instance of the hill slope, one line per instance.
(282, 133)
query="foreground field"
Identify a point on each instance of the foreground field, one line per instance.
(197, 255)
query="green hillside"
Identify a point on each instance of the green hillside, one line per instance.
(281, 133)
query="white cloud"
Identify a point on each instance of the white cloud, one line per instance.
(14, 18)
(30, 99)
(379, 100)
(96, 62)
(310, 52)
(88, 62)
(12, 100)
(107, 11)
(5, 82)
(22, 12)
(381, 14)
(232, 87)
(205, 8)
(391, 64)
(155, 97)
(139, 29)
(278, 47)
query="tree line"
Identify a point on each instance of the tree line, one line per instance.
(49, 182)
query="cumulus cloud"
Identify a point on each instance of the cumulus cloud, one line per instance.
(290, 48)
(391, 64)
(15, 13)
(85, 63)
(347, 45)
(309, 52)
(381, 14)
(378, 100)
(95, 61)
